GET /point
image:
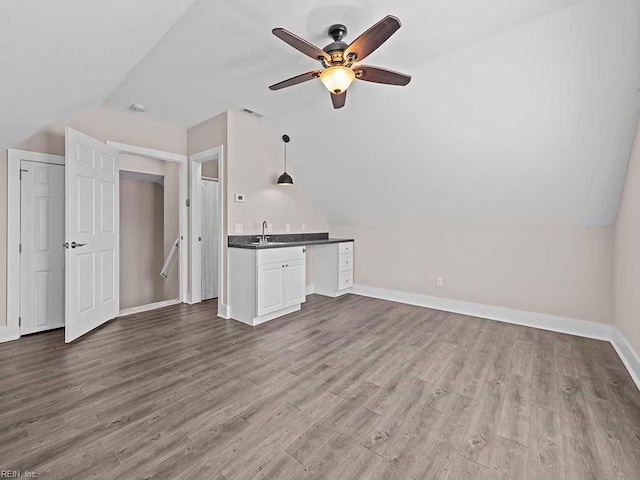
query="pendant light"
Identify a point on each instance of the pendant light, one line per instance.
(285, 179)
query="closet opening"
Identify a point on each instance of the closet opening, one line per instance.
(206, 215)
(149, 232)
(210, 243)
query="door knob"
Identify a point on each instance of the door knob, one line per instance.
(74, 245)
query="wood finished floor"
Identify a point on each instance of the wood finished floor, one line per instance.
(351, 388)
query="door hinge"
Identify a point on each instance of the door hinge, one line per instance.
(22, 170)
(19, 321)
(20, 248)
(188, 202)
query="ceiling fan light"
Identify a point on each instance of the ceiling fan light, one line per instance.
(337, 78)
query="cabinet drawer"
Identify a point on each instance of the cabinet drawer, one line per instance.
(272, 255)
(345, 247)
(345, 280)
(345, 262)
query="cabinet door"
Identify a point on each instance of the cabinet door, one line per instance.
(295, 281)
(270, 288)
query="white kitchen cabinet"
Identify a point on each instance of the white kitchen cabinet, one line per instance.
(333, 269)
(270, 288)
(266, 283)
(295, 283)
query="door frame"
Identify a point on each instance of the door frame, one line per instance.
(14, 157)
(183, 230)
(196, 160)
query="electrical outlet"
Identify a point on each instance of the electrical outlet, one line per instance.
(439, 281)
(287, 227)
(303, 228)
(239, 228)
(269, 227)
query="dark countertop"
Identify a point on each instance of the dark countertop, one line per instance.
(283, 240)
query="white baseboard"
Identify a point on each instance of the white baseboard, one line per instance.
(8, 333)
(311, 289)
(223, 311)
(582, 328)
(627, 354)
(150, 306)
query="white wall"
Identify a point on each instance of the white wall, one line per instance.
(3, 237)
(253, 162)
(171, 173)
(141, 243)
(562, 271)
(627, 254)
(532, 126)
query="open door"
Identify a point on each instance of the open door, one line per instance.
(92, 213)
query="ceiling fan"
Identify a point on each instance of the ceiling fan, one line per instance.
(339, 59)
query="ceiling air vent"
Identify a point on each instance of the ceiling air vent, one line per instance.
(251, 112)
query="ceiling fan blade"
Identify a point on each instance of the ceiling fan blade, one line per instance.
(305, 77)
(300, 44)
(373, 38)
(339, 99)
(381, 75)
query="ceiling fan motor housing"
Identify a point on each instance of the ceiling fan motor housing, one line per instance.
(336, 48)
(337, 32)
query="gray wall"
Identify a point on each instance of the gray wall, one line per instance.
(141, 243)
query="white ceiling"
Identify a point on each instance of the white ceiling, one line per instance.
(222, 56)
(519, 111)
(60, 57)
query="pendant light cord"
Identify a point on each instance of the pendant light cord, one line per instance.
(285, 157)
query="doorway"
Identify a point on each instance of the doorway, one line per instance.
(148, 229)
(22, 295)
(42, 196)
(210, 265)
(206, 215)
(146, 160)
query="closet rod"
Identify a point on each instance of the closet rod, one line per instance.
(211, 179)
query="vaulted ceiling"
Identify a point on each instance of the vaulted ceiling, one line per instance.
(60, 57)
(519, 111)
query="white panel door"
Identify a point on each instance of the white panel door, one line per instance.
(91, 234)
(41, 240)
(295, 281)
(270, 288)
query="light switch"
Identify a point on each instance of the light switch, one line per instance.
(239, 228)
(288, 227)
(304, 228)
(239, 197)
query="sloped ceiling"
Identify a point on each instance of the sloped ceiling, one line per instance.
(519, 111)
(60, 57)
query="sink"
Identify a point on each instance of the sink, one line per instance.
(268, 243)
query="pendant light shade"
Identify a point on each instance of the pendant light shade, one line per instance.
(285, 179)
(337, 79)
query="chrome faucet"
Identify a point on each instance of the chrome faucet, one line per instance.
(263, 238)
